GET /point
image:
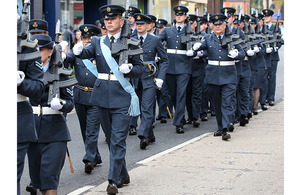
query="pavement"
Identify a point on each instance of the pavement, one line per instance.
(251, 162)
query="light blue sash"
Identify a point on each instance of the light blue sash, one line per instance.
(134, 109)
(90, 66)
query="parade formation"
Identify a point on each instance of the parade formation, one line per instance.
(128, 67)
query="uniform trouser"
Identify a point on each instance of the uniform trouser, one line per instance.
(251, 91)
(194, 97)
(222, 97)
(161, 104)
(138, 91)
(206, 97)
(21, 153)
(89, 120)
(147, 103)
(272, 80)
(243, 96)
(234, 102)
(177, 86)
(115, 124)
(264, 88)
(45, 162)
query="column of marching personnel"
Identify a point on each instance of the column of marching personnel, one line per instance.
(134, 67)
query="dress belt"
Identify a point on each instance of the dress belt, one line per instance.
(21, 98)
(176, 51)
(44, 110)
(221, 63)
(108, 77)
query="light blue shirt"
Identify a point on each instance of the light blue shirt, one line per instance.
(144, 36)
(45, 68)
(182, 26)
(116, 36)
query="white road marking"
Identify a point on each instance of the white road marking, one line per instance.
(80, 190)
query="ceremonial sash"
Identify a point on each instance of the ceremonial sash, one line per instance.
(90, 66)
(134, 108)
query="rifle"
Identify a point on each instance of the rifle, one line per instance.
(52, 78)
(229, 38)
(121, 49)
(277, 37)
(207, 28)
(22, 28)
(188, 39)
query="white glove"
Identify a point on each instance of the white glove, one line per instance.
(276, 49)
(196, 46)
(190, 53)
(157, 58)
(200, 53)
(250, 52)
(269, 50)
(63, 56)
(233, 53)
(159, 83)
(77, 49)
(56, 103)
(125, 68)
(256, 49)
(20, 77)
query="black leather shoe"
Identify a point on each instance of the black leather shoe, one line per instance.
(163, 120)
(243, 120)
(31, 189)
(179, 129)
(112, 188)
(144, 143)
(132, 130)
(255, 112)
(151, 139)
(225, 136)
(264, 107)
(204, 118)
(218, 133)
(98, 162)
(212, 113)
(89, 167)
(123, 181)
(249, 115)
(231, 127)
(196, 123)
(158, 118)
(271, 103)
(189, 121)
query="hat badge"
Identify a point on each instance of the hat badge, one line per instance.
(250, 20)
(226, 10)
(130, 9)
(35, 25)
(266, 11)
(108, 9)
(178, 8)
(216, 17)
(35, 40)
(159, 22)
(138, 17)
(85, 29)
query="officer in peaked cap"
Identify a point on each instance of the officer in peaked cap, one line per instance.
(113, 93)
(151, 24)
(133, 10)
(274, 57)
(229, 13)
(147, 83)
(246, 18)
(179, 69)
(38, 26)
(111, 11)
(221, 63)
(161, 24)
(88, 114)
(102, 27)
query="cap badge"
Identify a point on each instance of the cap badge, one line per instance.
(178, 8)
(130, 9)
(108, 9)
(85, 29)
(159, 22)
(216, 17)
(35, 25)
(35, 40)
(138, 17)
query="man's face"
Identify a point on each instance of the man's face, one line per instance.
(193, 25)
(253, 26)
(230, 19)
(180, 18)
(45, 54)
(150, 26)
(219, 29)
(203, 27)
(160, 30)
(131, 20)
(268, 19)
(113, 25)
(103, 31)
(260, 22)
(86, 40)
(141, 28)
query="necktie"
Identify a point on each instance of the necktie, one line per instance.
(220, 38)
(112, 39)
(178, 29)
(142, 38)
